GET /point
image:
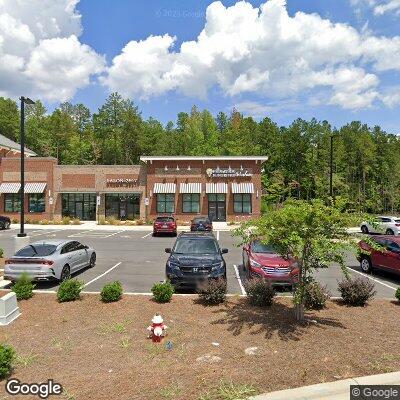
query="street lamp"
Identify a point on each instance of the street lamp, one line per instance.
(24, 100)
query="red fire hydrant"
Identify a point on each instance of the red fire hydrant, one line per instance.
(157, 328)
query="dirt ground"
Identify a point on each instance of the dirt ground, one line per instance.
(101, 351)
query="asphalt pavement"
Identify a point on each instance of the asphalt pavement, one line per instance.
(137, 260)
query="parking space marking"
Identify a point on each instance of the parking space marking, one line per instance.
(101, 275)
(239, 280)
(145, 236)
(42, 233)
(373, 279)
(113, 234)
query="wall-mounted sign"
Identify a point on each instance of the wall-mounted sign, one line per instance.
(122, 182)
(228, 172)
(50, 200)
(146, 201)
(98, 199)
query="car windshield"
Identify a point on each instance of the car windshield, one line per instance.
(397, 221)
(195, 246)
(165, 219)
(36, 250)
(201, 221)
(259, 247)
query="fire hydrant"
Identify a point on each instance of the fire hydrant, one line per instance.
(157, 328)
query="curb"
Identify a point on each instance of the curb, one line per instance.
(339, 390)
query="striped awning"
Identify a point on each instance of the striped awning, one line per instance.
(164, 188)
(216, 188)
(10, 187)
(245, 187)
(190, 188)
(35, 187)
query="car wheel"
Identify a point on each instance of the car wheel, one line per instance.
(154, 234)
(365, 264)
(389, 232)
(65, 273)
(2, 225)
(7, 226)
(92, 262)
(364, 229)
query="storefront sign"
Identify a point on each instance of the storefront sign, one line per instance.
(98, 200)
(228, 172)
(121, 182)
(146, 201)
(50, 200)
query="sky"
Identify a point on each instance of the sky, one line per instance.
(335, 60)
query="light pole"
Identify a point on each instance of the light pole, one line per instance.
(24, 100)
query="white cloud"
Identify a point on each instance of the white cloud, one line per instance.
(264, 50)
(391, 97)
(40, 54)
(258, 109)
(379, 7)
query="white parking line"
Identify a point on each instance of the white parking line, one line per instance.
(145, 236)
(80, 233)
(239, 280)
(113, 234)
(218, 235)
(373, 279)
(42, 233)
(104, 273)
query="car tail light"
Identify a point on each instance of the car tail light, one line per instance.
(40, 261)
(397, 224)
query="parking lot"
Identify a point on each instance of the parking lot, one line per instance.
(137, 260)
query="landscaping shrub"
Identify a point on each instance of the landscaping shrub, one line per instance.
(69, 290)
(76, 221)
(66, 220)
(111, 292)
(212, 292)
(397, 294)
(23, 287)
(113, 221)
(260, 292)
(44, 222)
(15, 220)
(315, 296)
(7, 355)
(356, 291)
(162, 292)
(1, 252)
(139, 222)
(102, 221)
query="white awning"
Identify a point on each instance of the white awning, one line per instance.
(164, 188)
(245, 187)
(10, 187)
(35, 187)
(216, 188)
(190, 188)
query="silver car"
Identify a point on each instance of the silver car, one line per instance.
(50, 260)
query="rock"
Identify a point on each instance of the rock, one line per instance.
(250, 351)
(208, 359)
(215, 344)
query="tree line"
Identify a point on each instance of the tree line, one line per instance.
(366, 159)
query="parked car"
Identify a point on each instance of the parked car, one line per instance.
(388, 225)
(164, 225)
(387, 258)
(50, 260)
(195, 257)
(201, 224)
(262, 261)
(5, 222)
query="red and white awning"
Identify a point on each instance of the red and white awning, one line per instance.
(217, 188)
(245, 187)
(190, 188)
(35, 187)
(10, 187)
(164, 188)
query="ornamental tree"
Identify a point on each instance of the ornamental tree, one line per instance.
(313, 233)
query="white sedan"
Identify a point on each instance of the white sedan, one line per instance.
(387, 225)
(50, 260)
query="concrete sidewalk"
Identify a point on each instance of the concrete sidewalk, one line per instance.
(339, 390)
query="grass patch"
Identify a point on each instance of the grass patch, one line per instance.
(170, 392)
(155, 350)
(61, 345)
(116, 327)
(125, 343)
(228, 390)
(25, 360)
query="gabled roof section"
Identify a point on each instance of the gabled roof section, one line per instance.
(8, 144)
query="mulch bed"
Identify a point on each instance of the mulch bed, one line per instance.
(101, 351)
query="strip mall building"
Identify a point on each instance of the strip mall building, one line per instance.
(224, 188)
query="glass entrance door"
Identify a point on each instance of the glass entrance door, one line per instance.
(217, 207)
(79, 210)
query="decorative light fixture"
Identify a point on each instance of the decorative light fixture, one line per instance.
(257, 194)
(241, 167)
(188, 167)
(177, 167)
(166, 168)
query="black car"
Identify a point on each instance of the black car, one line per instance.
(195, 257)
(5, 222)
(201, 224)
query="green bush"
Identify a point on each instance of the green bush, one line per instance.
(397, 294)
(69, 290)
(66, 220)
(111, 292)
(356, 291)
(7, 355)
(315, 296)
(260, 292)
(23, 287)
(212, 292)
(162, 292)
(1, 252)
(76, 221)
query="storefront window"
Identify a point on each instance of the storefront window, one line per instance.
(191, 203)
(36, 203)
(123, 205)
(242, 203)
(165, 203)
(79, 205)
(12, 202)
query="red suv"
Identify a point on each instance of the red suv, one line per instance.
(164, 225)
(387, 259)
(262, 261)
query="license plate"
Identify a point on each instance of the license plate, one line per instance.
(165, 226)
